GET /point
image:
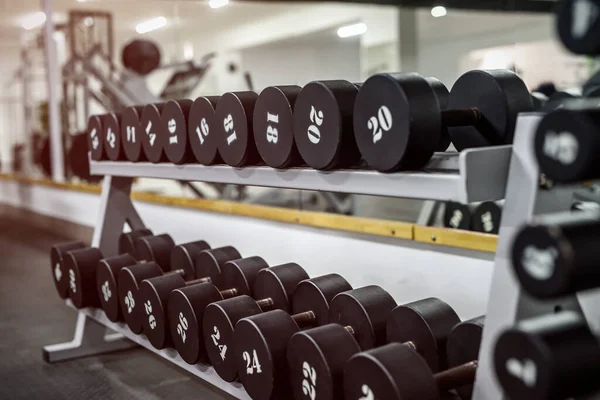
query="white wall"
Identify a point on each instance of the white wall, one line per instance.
(408, 270)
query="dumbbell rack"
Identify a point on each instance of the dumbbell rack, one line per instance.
(472, 176)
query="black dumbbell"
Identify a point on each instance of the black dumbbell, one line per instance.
(234, 115)
(131, 133)
(273, 126)
(567, 144)
(174, 131)
(155, 248)
(80, 267)
(152, 141)
(578, 26)
(316, 357)
(106, 284)
(127, 241)
(550, 357)
(272, 290)
(463, 345)
(260, 341)
(399, 122)
(186, 305)
(203, 132)
(558, 259)
(442, 94)
(323, 129)
(57, 265)
(585, 206)
(539, 100)
(457, 215)
(559, 100)
(486, 218)
(112, 131)
(130, 278)
(95, 134)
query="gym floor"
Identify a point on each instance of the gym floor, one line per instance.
(32, 315)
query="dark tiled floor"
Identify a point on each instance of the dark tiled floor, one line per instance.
(32, 315)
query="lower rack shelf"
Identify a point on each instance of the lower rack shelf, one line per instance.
(204, 372)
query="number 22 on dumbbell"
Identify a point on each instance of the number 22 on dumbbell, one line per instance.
(310, 381)
(215, 338)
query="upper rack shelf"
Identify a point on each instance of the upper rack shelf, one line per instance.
(473, 175)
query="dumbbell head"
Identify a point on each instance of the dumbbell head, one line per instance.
(209, 264)
(397, 121)
(128, 285)
(131, 133)
(263, 338)
(463, 346)
(186, 305)
(57, 265)
(316, 357)
(323, 129)
(457, 215)
(554, 356)
(578, 26)
(106, 284)
(486, 218)
(203, 132)
(127, 241)
(273, 288)
(95, 135)
(560, 258)
(427, 324)
(442, 94)
(566, 144)
(273, 126)
(152, 144)
(155, 248)
(234, 114)
(80, 266)
(183, 256)
(112, 131)
(539, 100)
(174, 132)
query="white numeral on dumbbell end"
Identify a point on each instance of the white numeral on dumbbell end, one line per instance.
(72, 281)
(316, 117)
(562, 147)
(457, 217)
(380, 123)
(367, 393)
(172, 126)
(539, 264)
(94, 136)
(57, 272)
(272, 133)
(252, 364)
(216, 336)
(202, 130)
(310, 381)
(131, 134)
(585, 14)
(525, 371)
(486, 220)
(129, 302)
(182, 327)
(151, 135)
(228, 125)
(111, 138)
(151, 319)
(106, 291)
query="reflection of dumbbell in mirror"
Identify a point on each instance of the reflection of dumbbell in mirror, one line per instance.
(260, 341)
(484, 217)
(323, 129)
(202, 130)
(551, 357)
(273, 289)
(560, 258)
(578, 26)
(57, 265)
(130, 278)
(316, 357)
(482, 110)
(186, 305)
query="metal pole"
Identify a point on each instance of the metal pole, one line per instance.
(53, 79)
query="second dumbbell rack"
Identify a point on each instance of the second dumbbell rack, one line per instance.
(472, 176)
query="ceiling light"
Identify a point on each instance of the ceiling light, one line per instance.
(188, 51)
(33, 20)
(88, 21)
(352, 30)
(151, 25)
(439, 11)
(218, 3)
